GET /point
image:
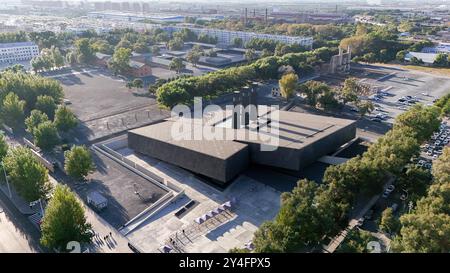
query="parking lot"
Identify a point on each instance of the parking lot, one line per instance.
(104, 104)
(401, 89)
(95, 93)
(433, 148)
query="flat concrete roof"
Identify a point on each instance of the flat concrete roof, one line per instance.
(163, 131)
(295, 131)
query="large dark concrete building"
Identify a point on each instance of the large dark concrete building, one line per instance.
(296, 140)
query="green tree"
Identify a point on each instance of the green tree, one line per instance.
(78, 162)
(27, 174)
(328, 99)
(421, 120)
(47, 105)
(389, 223)
(441, 60)
(441, 169)
(64, 220)
(415, 61)
(250, 54)
(356, 242)
(12, 110)
(351, 91)
(46, 136)
(162, 37)
(424, 233)
(129, 85)
(138, 83)
(58, 58)
(120, 62)
(84, 51)
(301, 223)
(3, 147)
(36, 117)
(239, 250)
(312, 90)
(193, 56)
(65, 120)
(177, 65)
(237, 42)
(155, 50)
(400, 56)
(365, 107)
(415, 180)
(175, 44)
(288, 84)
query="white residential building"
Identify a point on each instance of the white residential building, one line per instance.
(226, 36)
(14, 52)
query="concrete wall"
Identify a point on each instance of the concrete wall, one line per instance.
(297, 159)
(222, 170)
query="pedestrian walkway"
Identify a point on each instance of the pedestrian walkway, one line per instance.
(107, 239)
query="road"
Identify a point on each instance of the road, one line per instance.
(17, 234)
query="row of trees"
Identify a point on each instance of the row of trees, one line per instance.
(320, 94)
(444, 104)
(37, 98)
(20, 93)
(46, 133)
(183, 90)
(427, 228)
(311, 212)
(374, 43)
(64, 219)
(49, 58)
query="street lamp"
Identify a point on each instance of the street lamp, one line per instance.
(7, 182)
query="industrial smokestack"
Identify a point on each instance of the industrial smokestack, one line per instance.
(245, 18)
(266, 18)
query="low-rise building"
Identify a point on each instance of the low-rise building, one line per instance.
(15, 52)
(426, 58)
(138, 69)
(227, 37)
(102, 59)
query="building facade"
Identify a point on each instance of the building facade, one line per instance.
(138, 69)
(227, 37)
(14, 52)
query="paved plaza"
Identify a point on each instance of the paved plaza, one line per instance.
(253, 203)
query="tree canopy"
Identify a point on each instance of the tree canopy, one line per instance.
(78, 162)
(64, 220)
(27, 174)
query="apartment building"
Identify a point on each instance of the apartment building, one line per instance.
(226, 37)
(13, 52)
